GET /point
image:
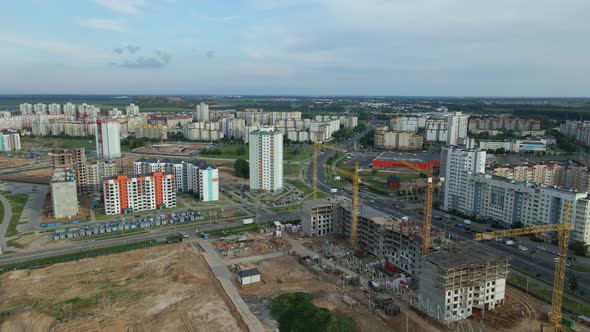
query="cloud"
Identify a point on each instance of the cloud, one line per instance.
(122, 6)
(210, 54)
(161, 59)
(102, 24)
(51, 45)
(129, 48)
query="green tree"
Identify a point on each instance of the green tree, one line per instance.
(241, 151)
(580, 248)
(242, 168)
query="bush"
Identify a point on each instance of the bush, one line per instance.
(296, 312)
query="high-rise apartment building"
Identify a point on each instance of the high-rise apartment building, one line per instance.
(266, 160)
(9, 142)
(132, 110)
(202, 113)
(457, 124)
(454, 164)
(208, 184)
(128, 194)
(108, 139)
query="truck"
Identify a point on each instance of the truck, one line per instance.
(334, 190)
(509, 242)
(467, 222)
(247, 221)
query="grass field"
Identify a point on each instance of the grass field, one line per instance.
(65, 143)
(290, 153)
(546, 292)
(17, 203)
(292, 170)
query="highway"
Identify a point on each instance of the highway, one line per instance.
(160, 233)
(539, 264)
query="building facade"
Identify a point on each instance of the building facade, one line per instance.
(108, 139)
(9, 142)
(266, 160)
(457, 124)
(454, 164)
(127, 194)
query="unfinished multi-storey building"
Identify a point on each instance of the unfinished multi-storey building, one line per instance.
(461, 277)
(380, 235)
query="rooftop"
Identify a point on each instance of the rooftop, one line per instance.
(248, 273)
(464, 253)
(63, 174)
(406, 156)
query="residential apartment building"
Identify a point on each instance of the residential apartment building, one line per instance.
(397, 140)
(196, 177)
(170, 120)
(454, 164)
(436, 130)
(504, 123)
(202, 113)
(9, 142)
(153, 132)
(128, 194)
(456, 128)
(528, 145)
(132, 110)
(202, 131)
(266, 160)
(405, 124)
(108, 139)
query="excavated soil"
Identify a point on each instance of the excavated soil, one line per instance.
(163, 288)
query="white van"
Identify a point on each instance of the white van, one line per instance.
(467, 222)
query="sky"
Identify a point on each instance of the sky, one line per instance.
(533, 48)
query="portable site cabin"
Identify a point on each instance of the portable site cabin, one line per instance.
(247, 277)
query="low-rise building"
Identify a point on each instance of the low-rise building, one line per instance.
(64, 197)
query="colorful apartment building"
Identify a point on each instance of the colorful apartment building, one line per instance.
(127, 194)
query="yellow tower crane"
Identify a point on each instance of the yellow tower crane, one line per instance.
(356, 181)
(427, 223)
(563, 233)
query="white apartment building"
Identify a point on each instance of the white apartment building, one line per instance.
(9, 142)
(404, 124)
(436, 130)
(196, 177)
(208, 184)
(124, 194)
(202, 113)
(454, 164)
(457, 124)
(132, 110)
(108, 139)
(266, 160)
(96, 172)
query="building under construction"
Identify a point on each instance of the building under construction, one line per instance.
(453, 279)
(460, 277)
(383, 236)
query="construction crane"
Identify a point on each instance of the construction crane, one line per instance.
(563, 233)
(314, 163)
(356, 181)
(427, 223)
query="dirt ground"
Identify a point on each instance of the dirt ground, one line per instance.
(164, 288)
(285, 274)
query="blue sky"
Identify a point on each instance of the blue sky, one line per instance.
(310, 47)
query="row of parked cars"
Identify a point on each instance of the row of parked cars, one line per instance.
(129, 224)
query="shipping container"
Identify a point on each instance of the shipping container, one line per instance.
(389, 266)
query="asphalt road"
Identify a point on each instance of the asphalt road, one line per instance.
(540, 264)
(154, 234)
